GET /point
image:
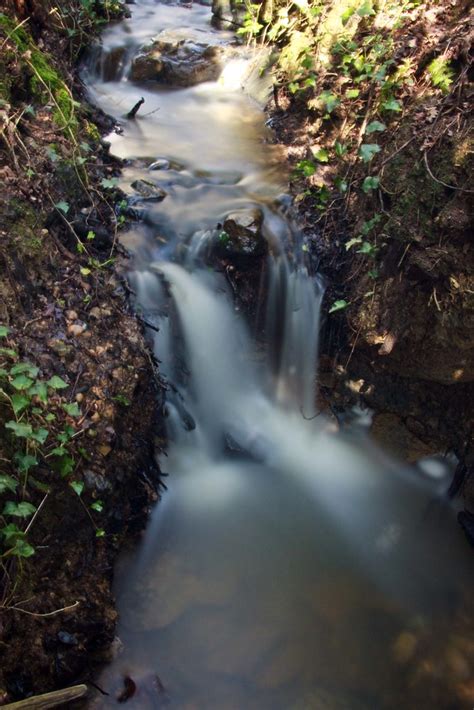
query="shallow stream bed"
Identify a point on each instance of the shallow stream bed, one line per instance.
(289, 565)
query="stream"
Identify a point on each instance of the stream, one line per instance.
(291, 564)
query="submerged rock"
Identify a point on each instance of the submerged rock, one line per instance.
(148, 191)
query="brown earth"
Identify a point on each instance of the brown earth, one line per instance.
(63, 298)
(404, 342)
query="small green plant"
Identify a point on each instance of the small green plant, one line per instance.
(41, 429)
(338, 305)
(441, 74)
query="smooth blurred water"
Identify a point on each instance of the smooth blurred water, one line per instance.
(288, 563)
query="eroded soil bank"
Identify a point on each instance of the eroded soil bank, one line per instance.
(373, 108)
(80, 391)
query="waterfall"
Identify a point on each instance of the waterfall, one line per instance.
(279, 537)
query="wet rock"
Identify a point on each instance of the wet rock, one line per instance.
(160, 164)
(96, 482)
(148, 191)
(390, 431)
(179, 57)
(146, 66)
(67, 639)
(111, 63)
(242, 238)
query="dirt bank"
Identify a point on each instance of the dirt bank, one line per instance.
(373, 107)
(79, 407)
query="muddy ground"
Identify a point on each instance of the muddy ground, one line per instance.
(402, 341)
(64, 312)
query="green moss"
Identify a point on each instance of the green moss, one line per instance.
(45, 84)
(92, 131)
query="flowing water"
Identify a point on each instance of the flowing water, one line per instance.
(288, 565)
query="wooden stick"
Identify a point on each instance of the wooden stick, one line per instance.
(49, 700)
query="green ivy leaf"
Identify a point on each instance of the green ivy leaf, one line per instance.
(341, 184)
(7, 483)
(9, 352)
(329, 100)
(20, 430)
(367, 248)
(58, 451)
(21, 548)
(4, 331)
(109, 183)
(19, 402)
(392, 105)
(72, 409)
(352, 93)
(375, 126)
(368, 150)
(98, 506)
(370, 183)
(19, 510)
(25, 368)
(57, 383)
(366, 9)
(25, 462)
(307, 167)
(338, 306)
(11, 531)
(321, 154)
(347, 14)
(340, 149)
(40, 389)
(22, 382)
(40, 435)
(77, 487)
(64, 465)
(100, 533)
(63, 206)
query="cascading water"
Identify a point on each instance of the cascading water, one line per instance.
(287, 560)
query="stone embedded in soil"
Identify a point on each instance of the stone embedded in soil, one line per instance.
(148, 191)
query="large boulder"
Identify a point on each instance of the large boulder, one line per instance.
(179, 57)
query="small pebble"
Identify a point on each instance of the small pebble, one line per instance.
(76, 329)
